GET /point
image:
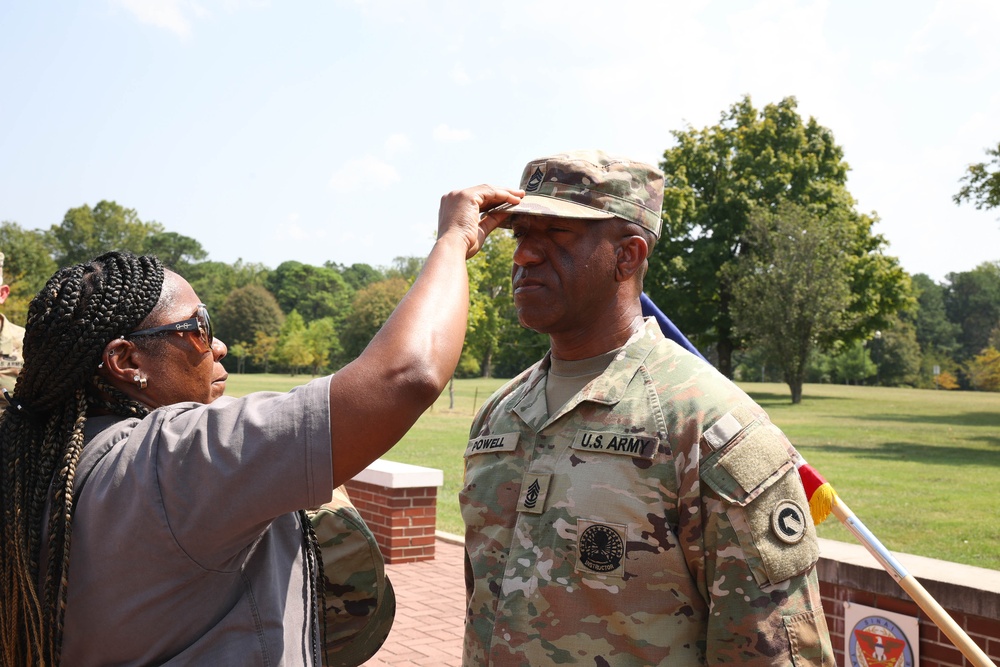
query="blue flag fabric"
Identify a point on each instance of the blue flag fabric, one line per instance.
(650, 309)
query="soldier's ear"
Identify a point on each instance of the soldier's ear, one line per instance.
(4, 292)
(631, 257)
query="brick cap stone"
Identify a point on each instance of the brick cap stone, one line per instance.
(395, 475)
(965, 588)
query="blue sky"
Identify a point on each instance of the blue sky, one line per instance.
(328, 130)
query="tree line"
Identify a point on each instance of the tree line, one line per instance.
(764, 262)
(296, 317)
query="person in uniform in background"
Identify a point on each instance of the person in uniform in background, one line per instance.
(11, 339)
(624, 503)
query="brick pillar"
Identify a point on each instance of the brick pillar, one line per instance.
(398, 501)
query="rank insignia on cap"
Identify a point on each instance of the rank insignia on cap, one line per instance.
(535, 181)
(788, 522)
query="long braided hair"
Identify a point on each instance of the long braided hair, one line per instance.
(70, 322)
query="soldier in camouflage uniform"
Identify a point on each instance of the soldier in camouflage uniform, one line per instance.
(625, 504)
(11, 337)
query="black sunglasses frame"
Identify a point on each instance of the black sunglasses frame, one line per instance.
(201, 322)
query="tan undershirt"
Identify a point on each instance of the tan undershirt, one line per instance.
(567, 378)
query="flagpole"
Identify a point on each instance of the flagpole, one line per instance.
(913, 588)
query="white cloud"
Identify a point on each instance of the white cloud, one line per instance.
(397, 143)
(460, 76)
(392, 11)
(166, 14)
(290, 233)
(450, 135)
(366, 173)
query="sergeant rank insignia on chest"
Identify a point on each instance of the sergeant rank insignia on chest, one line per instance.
(534, 489)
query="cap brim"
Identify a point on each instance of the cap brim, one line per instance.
(556, 208)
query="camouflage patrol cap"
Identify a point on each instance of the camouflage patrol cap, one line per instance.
(593, 185)
(360, 600)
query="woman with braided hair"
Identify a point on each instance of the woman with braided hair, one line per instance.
(147, 519)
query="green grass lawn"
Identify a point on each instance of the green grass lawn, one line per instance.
(920, 468)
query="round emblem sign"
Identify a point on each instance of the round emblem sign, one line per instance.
(875, 641)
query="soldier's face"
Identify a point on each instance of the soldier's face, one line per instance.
(563, 270)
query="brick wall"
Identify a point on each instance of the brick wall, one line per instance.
(970, 595)
(399, 504)
(402, 520)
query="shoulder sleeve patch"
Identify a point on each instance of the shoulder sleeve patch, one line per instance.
(776, 532)
(754, 472)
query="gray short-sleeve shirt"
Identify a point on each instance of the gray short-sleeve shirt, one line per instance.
(186, 545)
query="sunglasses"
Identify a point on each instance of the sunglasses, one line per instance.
(201, 323)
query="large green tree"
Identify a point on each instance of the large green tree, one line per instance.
(491, 303)
(972, 300)
(371, 308)
(86, 232)
(935, 332)
(175, 250)
(294, 350)
(357, 275)
(324, 343)
(213, 281)
(406, 268)
(314, 291)
(895, 354)
(936, 335)
(27, 266)
(791, 291)
(246, 311)
(715, 178)
(982, 182)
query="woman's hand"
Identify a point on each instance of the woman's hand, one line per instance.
(473, 213)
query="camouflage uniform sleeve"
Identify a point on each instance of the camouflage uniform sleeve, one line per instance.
(11, 355)
(753, 544)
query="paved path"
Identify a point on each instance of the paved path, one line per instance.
(430, 607)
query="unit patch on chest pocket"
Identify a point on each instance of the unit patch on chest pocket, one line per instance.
(600, 548)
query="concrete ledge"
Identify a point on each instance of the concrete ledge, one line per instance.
(394, 475)
(971, 590)
(449, 538)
